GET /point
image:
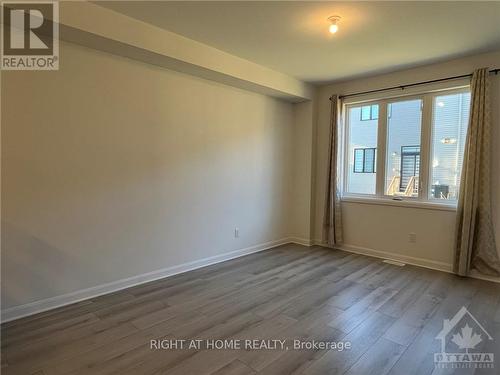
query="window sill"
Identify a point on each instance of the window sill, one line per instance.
(401, 203)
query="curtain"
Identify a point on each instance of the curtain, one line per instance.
(332, 220)
(475, 242)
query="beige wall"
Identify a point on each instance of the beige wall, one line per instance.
(386, 228)
(91, 25)
(113, 168)
(301, 191)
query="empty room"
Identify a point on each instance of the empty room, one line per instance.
(250, 187)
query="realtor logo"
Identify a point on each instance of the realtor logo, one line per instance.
(463, 336)
(30, 35)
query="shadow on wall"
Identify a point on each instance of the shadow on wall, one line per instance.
(28, 265)
(106, 208)
(150, 170)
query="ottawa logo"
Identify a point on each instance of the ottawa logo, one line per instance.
(462, 340)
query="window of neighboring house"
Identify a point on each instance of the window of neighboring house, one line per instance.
(364, 160)
(421, 151)
(369, 112)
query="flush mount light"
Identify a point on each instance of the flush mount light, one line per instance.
(448, 141)
(333, 24)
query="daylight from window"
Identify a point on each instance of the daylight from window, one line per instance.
(450, 118)
(407, 148)
(404, 123)
(363, 125)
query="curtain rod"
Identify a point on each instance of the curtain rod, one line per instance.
(402, 87)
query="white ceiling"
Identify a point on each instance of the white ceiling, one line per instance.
(293, 37)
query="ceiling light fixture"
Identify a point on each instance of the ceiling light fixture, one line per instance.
(333, 24)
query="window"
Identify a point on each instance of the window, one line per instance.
(364, 160)
(361, 178)
(403, 147)
(420, 150)
(369, 112)
(449, 129)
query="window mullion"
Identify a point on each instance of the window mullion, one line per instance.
(381, 148)
(425, 141)
(344, 138)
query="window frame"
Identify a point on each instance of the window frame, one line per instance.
(430, 148)
(374, 164)
(424, 198)
(344, 157)
(370, 118)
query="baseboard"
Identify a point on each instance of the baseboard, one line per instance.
(32, 308)
(300, 241)
(421, 262)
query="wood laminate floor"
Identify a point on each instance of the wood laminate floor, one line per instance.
(390, 315)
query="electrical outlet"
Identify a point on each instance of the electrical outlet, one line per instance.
(412, 237)
(236, 232)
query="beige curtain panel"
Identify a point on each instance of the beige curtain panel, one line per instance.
(332, 220)
(475, 245)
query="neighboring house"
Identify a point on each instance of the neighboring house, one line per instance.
(450, 117)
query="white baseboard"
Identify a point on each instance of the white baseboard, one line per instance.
(300, 241)
(17, 312)
(31, 308)
(421, 262)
